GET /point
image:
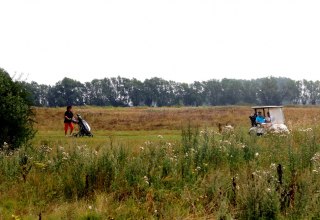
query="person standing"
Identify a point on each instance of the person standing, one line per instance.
(68, 116)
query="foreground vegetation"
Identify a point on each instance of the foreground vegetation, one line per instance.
(183, 171)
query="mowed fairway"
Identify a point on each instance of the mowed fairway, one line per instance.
(164, 163)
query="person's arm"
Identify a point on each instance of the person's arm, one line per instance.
(66, 116)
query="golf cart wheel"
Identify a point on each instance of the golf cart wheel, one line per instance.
(253, 131)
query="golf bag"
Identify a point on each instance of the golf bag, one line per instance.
(84, 127)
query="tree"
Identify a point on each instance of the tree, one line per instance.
(288, 90)
(249, 91)
(311, 91)
(38, 93)
(268, 93)
(231, 91)
(136, 92)
(213, 92)
(194, 94)
(157, 92)
(16, 115)
(67, 92)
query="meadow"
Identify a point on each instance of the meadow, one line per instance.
(164, 163)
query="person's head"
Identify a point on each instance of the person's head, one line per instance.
(259, 113)
(69, 108)
(268, 114)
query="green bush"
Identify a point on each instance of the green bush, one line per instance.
(16, 116)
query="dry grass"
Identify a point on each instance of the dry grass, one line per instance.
(130, 119)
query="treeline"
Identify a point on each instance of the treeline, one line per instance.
(119, 91)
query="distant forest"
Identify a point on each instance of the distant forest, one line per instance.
(118, 91)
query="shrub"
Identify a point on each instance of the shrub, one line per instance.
(16, 116)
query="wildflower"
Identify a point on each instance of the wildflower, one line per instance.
(273, 166)
(45, 149)
(65, 156)
(256, 154)
(147, 143)
(146, 179)
(257, 173)
(5, 145)
(90, 207)
(305, 130)
(15, 217)
(226, 142)
(160, 136)
(316, 157)
(141, 148)
(268, 190)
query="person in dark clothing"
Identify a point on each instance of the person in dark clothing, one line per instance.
(68, 117)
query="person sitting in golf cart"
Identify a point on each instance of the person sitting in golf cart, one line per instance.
(268, 118)
(260, 119)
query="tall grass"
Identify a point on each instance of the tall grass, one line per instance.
(205, 175)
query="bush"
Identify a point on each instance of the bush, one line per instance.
(16, 116)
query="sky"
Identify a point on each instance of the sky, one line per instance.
(180, 40)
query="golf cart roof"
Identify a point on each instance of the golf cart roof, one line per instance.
(267, 106)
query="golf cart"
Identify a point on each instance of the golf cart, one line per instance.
(267, 119)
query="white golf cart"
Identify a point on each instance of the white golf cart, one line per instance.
(271, 120)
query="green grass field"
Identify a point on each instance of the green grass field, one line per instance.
(174, 165)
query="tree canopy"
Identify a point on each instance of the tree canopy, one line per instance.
(16, 116)
(119, 91)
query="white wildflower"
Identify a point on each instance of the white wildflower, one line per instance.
(65, 156)
(5, 145)
(146, 179)
(273, 166)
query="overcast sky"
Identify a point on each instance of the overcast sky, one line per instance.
(179, 40)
